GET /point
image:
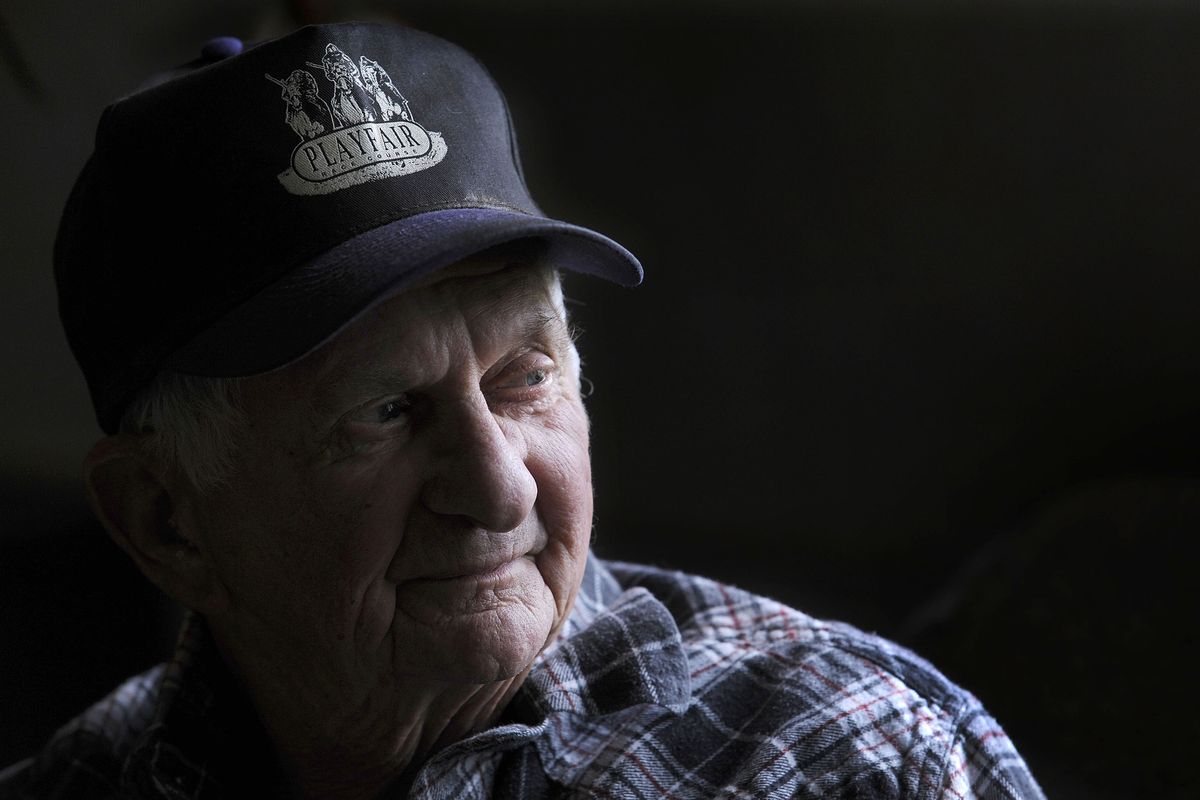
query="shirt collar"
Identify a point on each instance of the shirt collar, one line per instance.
(620, 648)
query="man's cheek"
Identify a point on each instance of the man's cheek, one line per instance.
(563, 474)
(562, 436)
(333, 549)
(559, 455)
(365, 504)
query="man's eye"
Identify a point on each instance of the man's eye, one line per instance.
(392, 409)
(525, 377)
(386, 412)
(526, 380)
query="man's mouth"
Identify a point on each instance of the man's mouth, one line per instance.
(493, 569)
(472, 555)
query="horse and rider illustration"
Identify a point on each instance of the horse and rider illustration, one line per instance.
(362, 93)
(306, 112)
(351, 103)
(378, 83)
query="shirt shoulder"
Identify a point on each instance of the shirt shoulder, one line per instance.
(85, 757)
(782, 704)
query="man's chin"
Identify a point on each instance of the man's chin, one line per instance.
(482, 647)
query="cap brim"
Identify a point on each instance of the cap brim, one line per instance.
(310, 305)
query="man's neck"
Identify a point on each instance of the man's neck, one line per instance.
(335, 742)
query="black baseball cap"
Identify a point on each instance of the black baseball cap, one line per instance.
(239, 213)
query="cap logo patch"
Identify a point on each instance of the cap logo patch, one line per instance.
(364, 132)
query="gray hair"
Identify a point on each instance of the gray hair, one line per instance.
(190, 424)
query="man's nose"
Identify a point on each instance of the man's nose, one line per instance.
(479, 470)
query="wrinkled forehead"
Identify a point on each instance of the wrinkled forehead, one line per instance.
(497, 300)
(495, 276)
(487, 293)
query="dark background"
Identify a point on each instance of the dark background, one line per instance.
(916, 348)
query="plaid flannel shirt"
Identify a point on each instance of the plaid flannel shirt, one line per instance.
(663, 685)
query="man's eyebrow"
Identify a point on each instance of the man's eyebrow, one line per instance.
(543, 325)
(547, 325)
(365, 381)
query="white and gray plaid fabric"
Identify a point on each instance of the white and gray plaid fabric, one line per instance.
(664, 685)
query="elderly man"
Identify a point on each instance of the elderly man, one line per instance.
(345, 431)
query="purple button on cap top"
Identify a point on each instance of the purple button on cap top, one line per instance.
(221, 47)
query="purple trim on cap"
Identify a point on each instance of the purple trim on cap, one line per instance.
(221, 47)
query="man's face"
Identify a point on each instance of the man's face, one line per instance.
(413, 499)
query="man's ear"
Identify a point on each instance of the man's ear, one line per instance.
(134, 500)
